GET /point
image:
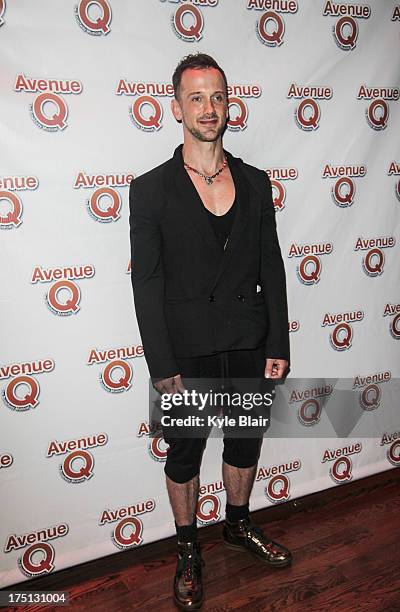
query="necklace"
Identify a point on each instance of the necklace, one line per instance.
(208, 179)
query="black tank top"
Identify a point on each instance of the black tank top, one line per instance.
(222, 224)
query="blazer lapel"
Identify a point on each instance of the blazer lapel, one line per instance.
(196, 213)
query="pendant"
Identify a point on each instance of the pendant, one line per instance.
(208, 180)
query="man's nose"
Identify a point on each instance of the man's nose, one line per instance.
(209, 106)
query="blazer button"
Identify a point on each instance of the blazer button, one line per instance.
(211, 298)
(241, 298)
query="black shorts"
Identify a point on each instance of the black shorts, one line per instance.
(241, 445)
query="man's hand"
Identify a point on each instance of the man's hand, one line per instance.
(170, 385)
(275, 368)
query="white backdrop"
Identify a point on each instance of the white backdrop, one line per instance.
(85, 93)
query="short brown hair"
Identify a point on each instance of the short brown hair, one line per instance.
(199, 61)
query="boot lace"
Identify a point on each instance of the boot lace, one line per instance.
(191, 564)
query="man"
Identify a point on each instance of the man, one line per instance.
(210, 298)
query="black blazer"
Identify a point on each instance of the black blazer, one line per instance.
(191, 296)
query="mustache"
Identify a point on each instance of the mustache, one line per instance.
(210, 116)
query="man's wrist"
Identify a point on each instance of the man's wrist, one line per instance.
(156, 379)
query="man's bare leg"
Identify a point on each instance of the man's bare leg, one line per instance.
(238, 483)
(183, 499)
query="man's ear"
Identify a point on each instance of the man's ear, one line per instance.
(176, 110)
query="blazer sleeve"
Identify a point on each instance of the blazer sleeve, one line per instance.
(273, 280)
(147, 277)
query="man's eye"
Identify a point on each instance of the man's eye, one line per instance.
(196, 99)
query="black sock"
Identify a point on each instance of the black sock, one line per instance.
(187, 533)
(236, 513)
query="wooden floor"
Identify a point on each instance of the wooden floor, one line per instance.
(346, 557)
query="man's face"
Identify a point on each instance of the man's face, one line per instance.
(202, 106)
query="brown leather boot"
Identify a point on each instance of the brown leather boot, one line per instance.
(243, 535)
(188, 587)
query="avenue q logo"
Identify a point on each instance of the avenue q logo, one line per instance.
(238, 110)
(10, 202)
(278, 177)
(146, 112)
(393, 310)
(157, 448)
(39, 555)
(278, 487)
(345, 30)
(78, 463)
(377, 112)
(341, 337)
(64, 295)
(370, 389)
(393, 452)
(310, 266)
(394, 170)
(128, 530)
(117, 375)
(270, 27)
(209, 503)
(341, 464)
(308, 113)
(374, 259)
(94, 16)
(344, 188)
(23, 390)
(104, 204)
(49, 110)
(188, 20)
(310, 401)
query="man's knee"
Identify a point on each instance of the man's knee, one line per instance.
(242, 452)
(181, 474)
(184, 457)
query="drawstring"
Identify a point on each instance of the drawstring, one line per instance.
(224, 368)
(225, 381)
